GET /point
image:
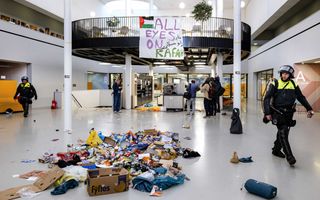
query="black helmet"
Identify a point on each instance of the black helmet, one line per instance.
(288, 69)
(25, 78)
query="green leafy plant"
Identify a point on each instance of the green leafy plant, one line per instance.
(202, 11)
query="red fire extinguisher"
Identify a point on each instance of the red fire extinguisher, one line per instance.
(54, 102)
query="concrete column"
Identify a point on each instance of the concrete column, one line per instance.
(151, 74)
(237, 54)
(128, 82)
(67, 68)
(151, 8)
(219, 8)
(220, 74)
(127, 7)
(213, 70)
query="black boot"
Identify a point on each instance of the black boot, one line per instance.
(278, 154)
(276, 150)
(284, 132)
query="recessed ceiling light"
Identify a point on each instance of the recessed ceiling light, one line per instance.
(255, 44)
(92, 14)
(199, 63)
(182, 5)
(104, 63)
(159, 63)
(243, 4)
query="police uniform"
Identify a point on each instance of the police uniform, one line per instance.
(279, 102)
(25, 92)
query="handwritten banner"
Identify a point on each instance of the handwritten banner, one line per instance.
(163, 40)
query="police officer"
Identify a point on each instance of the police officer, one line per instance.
(25, 92)
(279, 107)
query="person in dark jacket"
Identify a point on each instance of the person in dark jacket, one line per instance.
(192, 89)
(279, 107)
(25, 92)
(217, 97)
(116, 87)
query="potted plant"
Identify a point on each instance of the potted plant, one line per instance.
(202, 11)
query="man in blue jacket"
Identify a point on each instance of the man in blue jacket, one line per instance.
(192, 89)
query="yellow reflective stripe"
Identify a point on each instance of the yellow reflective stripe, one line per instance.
(25, 85)
(281, 85)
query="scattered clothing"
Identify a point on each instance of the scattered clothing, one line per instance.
(70, 184)
(189, 153)
(246, 159)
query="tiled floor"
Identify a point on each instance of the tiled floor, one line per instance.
(212, 175)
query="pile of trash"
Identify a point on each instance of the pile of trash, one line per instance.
(149, 107)
(148, 156)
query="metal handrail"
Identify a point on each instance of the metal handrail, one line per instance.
(129, 27)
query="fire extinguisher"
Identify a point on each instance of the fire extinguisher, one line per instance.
(54, 102)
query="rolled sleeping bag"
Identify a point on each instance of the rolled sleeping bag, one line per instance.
(261, 189)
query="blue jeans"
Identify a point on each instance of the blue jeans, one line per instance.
(191, 102)
(116, 102)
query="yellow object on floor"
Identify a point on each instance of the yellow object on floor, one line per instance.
(7, 91)
(93, 139)
(235, 158)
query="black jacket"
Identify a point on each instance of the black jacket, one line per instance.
(26, 90)
(284, 96)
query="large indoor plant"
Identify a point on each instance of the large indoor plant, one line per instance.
(202, 11)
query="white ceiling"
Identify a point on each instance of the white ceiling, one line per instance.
(82, 8)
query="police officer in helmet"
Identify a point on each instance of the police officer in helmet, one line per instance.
(25, 92)
(279, 107)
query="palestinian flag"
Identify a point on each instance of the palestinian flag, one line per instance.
(146, 22)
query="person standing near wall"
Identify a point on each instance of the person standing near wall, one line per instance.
(116, 87)
(217, 96)
(279, 107)
(24, 93)
(192, 89)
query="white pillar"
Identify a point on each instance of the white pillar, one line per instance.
(67, 67)
(151, 7)
(128, 82)
(219, 8)
(237, 55)
(220, 74)
(151, 74)
(213, 70)
(127, 7)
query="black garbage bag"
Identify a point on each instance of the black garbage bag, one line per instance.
(236, 126)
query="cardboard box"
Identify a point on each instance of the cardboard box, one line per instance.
(40, 185)
(107, 181)
(152, 132)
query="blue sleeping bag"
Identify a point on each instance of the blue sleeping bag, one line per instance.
(261, 189)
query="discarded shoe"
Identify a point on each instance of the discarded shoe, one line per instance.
(235, 158)
(278, 154)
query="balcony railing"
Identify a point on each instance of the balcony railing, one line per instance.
(129, 27)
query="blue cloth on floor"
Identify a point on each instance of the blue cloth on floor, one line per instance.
(165, 182)
(246, 160)
(142, 184)
(160, 170)
(61, 189)
(93, 166)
